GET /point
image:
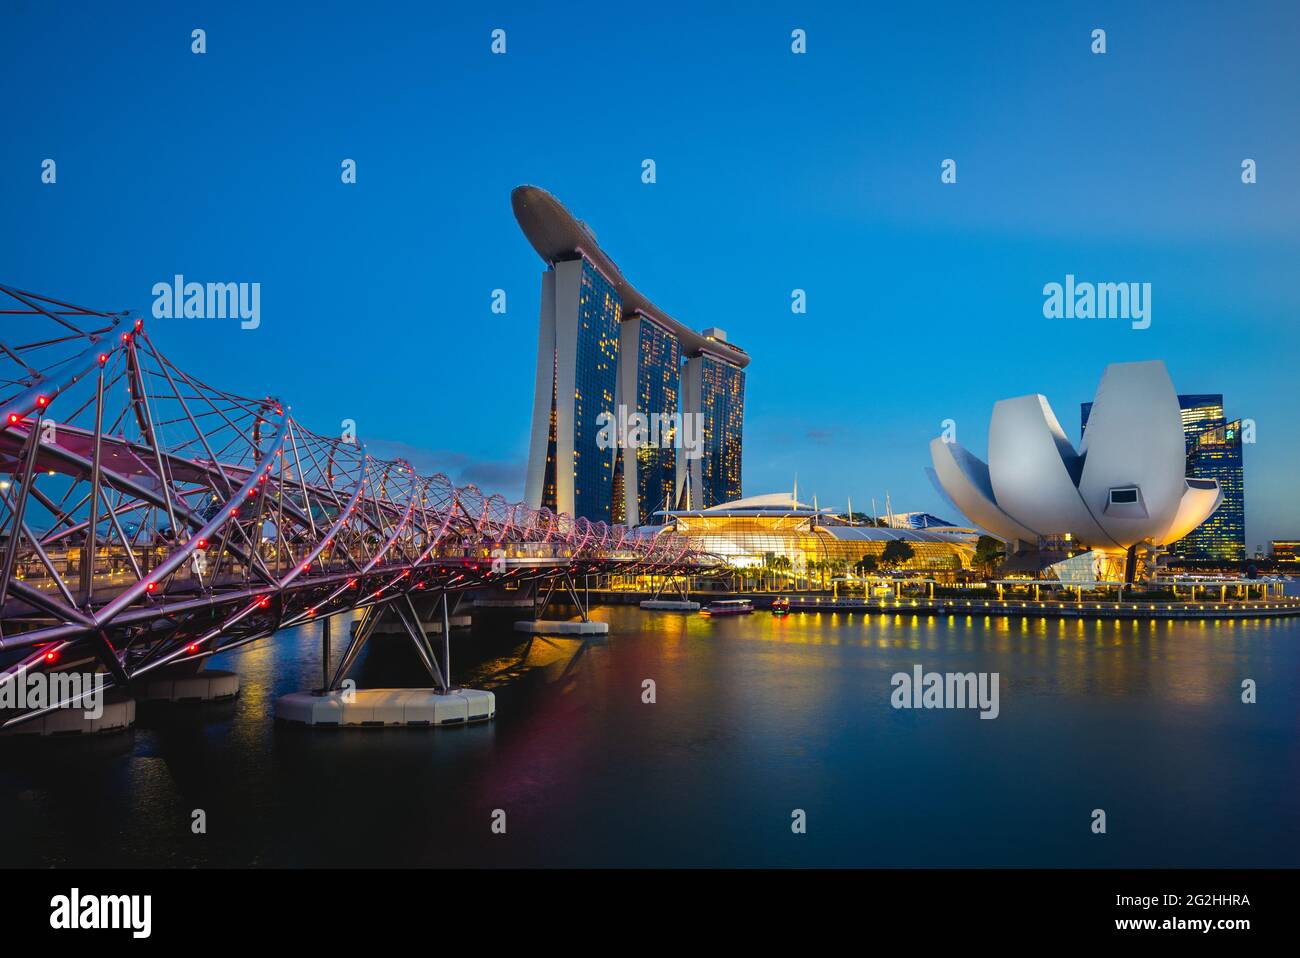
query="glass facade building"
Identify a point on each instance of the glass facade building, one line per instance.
(577, 382)
(595, 381)
(1213, 452)
(722, 407)
(658, 392)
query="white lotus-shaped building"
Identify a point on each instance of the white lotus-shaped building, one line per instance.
(1126, 486)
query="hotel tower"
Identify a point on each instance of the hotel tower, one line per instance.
(601, 345)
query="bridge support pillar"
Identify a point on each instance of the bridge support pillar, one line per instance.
(325, 653)
(583, 601)
(681, 585)
(442, 705)
(117, 714)
(189, 685)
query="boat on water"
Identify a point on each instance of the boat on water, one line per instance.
(781, 606)
(728, 607)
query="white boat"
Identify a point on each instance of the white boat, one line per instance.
(729, 607)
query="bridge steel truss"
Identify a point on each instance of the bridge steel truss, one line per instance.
(148, 519)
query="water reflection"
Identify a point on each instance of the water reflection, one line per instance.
(754, 715)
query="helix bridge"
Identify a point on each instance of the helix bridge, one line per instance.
(151, 520)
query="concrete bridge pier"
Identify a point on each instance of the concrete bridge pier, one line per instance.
(681, 585)
(188, 681)
(338, 704)
(538, 625)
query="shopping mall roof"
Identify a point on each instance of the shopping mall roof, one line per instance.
(825, 521)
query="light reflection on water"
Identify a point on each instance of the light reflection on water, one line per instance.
(755, 716)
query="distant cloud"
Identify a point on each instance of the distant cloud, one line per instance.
(822, 437)
(490, 475)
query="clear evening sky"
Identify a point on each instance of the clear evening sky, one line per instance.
(775, 172)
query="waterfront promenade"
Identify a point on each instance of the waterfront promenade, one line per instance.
(948, 605)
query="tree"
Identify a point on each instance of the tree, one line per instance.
(866, 565)
(988, 553)
(897, 553)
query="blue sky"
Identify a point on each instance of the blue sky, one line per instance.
(775, 172)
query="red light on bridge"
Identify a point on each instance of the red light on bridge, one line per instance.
(14, 418)
(352, 583)
(192, 648)
(306, 566)
(202, 543)
(139, 325)
(234, 512)
(126, 337)
(51, 656)
(103, 358)
(42, 401)
(150, 587)
(311, 611)
(263, 601)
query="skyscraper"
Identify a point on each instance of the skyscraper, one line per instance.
(1213, 452)
(650, 374)
(606, 353)
(716, 389)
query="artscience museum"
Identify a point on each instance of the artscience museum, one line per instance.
(1113, 504)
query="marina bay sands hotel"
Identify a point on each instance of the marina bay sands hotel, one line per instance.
(602, 345)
